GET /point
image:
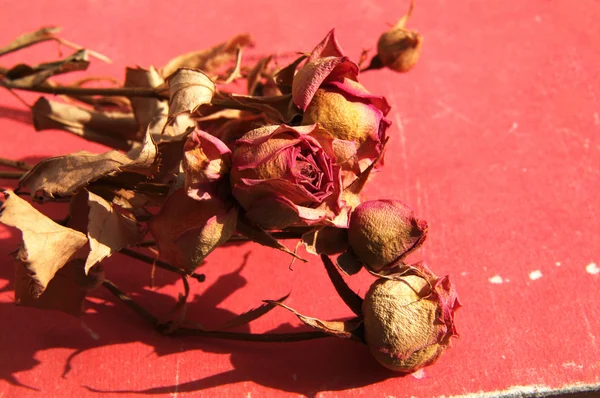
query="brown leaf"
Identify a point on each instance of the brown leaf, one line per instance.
(209, 60)
(65, 175)
(108, 231)
(31, 38)
(30, 76)
(188, 90)
(46, 246)
(66, 291)
(284, 77)
(342, 329)
(279, 109)
(187, 230)
(113, 129)
(256, 73)
(147, 110)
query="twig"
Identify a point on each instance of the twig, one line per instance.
(16, 164)
(185, 331)
(77, 91)
(161, 264)
(11, 175)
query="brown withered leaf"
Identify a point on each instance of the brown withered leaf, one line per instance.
(188, 90)
(342, 329)
(208, 60)
(284, 77)
(65, 175)
(66, 291)
(108, 231)
(256, 73)
(147, 110)
(31, 38)
(23, 75)
(46, 246)
(279, 109)
(114, 129)
(187, 230)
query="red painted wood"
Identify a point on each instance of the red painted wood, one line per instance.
(495, 142)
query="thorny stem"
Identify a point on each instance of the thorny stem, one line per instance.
(185, 331)
(161, 264)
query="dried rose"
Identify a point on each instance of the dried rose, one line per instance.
(282, 176)
(409, 320)
(327, 90)
(399, 48)
(383, 232)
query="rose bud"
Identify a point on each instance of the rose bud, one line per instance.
(383, 232)
(282, 176)
(409, 320)
(399, 48)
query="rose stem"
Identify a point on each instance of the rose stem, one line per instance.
(270, 337)
(161, 264)
(106, 92)
(15, 164)
(11, 175)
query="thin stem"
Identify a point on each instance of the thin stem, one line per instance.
(11, 175)
(161, 264)
(128, 301)
(76, 91)
(15, 164)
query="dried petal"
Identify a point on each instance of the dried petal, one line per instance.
(188, 90)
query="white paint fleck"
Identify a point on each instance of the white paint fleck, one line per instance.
(538, 19)
(419, 374)
(535, 275)
(524, 169)
(294, 377)
(496, 280)
(596, 119)
(503, 357)
(557, 264)
(586, 144)
(592, 268)
(513, 128)
(88, 329)
(248, 395)
(571, 365)
(464, 273)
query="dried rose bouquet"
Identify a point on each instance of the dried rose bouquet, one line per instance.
(195, 166)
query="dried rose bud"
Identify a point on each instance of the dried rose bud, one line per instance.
(407, 324)
(383, 232)
(282, 176)
(399, 48)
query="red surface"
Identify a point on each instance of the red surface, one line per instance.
(495, 142)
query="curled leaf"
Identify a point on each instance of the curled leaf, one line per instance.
(342, 329)
(352, 300)
(188, 90)
(31, 38)
(113, 129)
(146, 110)
(30, 76)
(46, 246)
(65, 175)
(108, 231)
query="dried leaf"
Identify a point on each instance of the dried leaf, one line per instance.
(279, 109)
(262, 237)
(187, 230)
(255, 74)
(31, 38)
(236, 72)
(352, 300)
(65, 175)
(146, 110)
(113, 129)
(327, 240)
(108, 231)
(66, 291)
(26, 76)
(348, 263)
(209, 60)
(188, 90)
(342, 329)
(46, 247)
(284, 77)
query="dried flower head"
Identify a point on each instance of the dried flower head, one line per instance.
(383, 232)
(409, 320)
(399, 48)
